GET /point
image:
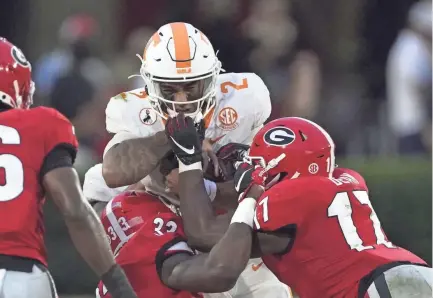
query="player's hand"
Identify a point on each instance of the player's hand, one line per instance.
(184, 138)
(227, 159)
(168, 163)
(247, 175)
(210, 159)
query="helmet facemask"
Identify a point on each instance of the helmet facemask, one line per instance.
(201, 95)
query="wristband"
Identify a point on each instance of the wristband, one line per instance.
(191, 167)
(245, 212)
(211, 189)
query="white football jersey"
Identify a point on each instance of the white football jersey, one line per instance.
(95, 188)
(242, 106)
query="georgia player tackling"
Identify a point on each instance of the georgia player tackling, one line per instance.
(324, 237)
(182, 73)
(38, 148)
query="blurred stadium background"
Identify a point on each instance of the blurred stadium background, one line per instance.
(362, 69)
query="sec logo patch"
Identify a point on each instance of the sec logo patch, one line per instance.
(227, 119)
(148, 116)
(313, 168)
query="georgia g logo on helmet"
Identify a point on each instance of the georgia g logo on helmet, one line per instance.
(19, 57)
(279, 136)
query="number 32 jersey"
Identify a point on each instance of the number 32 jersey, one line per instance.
(26, 139)
(143, 233)
(337, 237)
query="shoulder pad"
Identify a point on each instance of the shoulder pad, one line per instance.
(117, 117)
(50, 113)
(249, 88)
(55, 128)
(349, 175)
(286, 203)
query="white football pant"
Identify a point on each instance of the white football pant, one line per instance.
(404, 281)
(37, 284)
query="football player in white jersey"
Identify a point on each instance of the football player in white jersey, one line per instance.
(182, 73)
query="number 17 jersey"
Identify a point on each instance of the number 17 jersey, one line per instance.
(337, 238)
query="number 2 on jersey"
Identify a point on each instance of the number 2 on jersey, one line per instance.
(12, 167)
(342, 209)
(224, 85)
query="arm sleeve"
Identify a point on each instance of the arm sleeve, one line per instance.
(62, 155)
(59, 140)
(177, 245)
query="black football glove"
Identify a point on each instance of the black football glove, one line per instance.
(184, 139)
(246, 175)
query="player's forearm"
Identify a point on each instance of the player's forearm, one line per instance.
(226, 196)
(89, 238)
(98, 207)
(63, 187)
(219, 270)
(202, 227)
(132, 160)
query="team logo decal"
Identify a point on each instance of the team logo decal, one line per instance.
(313, 168)
(148, 116)
(279, 136)
(227, 119)
(19, 57)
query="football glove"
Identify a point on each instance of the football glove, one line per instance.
(247, 175)
(184, 138)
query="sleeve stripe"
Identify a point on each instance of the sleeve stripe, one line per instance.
(256, 221)
(113, 221)
(180, 247)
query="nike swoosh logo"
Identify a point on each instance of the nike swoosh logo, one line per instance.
(241, 178)
(142, 94)
(186, 150)
(256, 267)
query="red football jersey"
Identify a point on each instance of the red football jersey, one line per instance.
(26, 137)
(338, 239)
(143, 232)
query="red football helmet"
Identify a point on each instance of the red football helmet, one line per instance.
(294, 147)
(16, 85)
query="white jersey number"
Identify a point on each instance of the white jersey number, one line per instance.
(13, 169)
(170, 226)
(342, 209)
